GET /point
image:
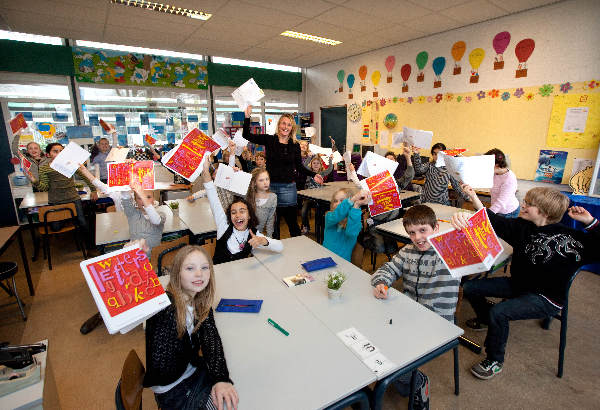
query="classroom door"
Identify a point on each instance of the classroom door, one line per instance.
(333, 123)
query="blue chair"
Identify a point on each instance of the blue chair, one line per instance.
(562, 316)
(358, 400)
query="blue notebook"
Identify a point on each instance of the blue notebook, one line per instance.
(239, 305)
(317, 264)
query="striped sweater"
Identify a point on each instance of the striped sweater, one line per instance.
(425, 279)
(60, 188)
(436, 182)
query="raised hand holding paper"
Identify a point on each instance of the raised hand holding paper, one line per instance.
(240, 142)
(187, 157)
(450, 152)
(476, 171)
(230, 180)
(221, 138)
(398, 140)
(69, 159)
(117, 155)
(418, 138)
(384, 192)
(149, 140)
(125, 288)
(247, 94)
(120, 173)
(18, 123)
(374, 164)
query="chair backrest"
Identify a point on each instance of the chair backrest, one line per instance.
(131, 383)
(163, 254)
(55, 213)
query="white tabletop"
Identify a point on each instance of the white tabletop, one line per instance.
(197, 215)
(444, 214)
(415, 331)
(113, 227)
(35, 199)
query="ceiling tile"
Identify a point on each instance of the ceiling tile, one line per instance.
(49, 10)
(322, 29)
(130, 16)
(307, 8)
(217, 48)
(253, 33)
(432, 23)
(514, 6)
(265, 54)
(31, 22)
(400, 9)
(350, 19)
(436, 5)
(300, 46)
(399, 33)
(474, 12)
(261, 15)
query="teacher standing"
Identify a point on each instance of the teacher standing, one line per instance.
(283, 160)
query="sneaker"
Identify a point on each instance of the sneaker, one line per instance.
(486, 369)
(421, 399)
(475, 324)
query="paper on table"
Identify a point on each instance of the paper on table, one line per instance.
(230, 180)
(374, 164)
(247, 94)
(476, 171)
(221, 138)
(418, 138)
(397, 139)
(117, 155)
(69, 159)
(240, 142)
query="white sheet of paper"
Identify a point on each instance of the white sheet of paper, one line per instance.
(315, 149)
(476, 171)
(240, 142)
(397, 139)
(230, 180)
(347, 157)
(337, 157)
(221, 138)
(117, 155)
(247, 94)
(69, 159)
(310, 132)
(575, 119)
(418, 138)
(373, 164)
(379, 364)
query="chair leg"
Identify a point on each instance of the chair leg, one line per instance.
(49, 253)
(43, 239)
(413, 388)
(80, 243)
(18, 299)
(546, 322)
(456, 375)
(563, 340)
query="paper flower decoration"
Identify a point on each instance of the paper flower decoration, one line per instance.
(459, 98)
(494, 93)
(430, 99)
(395, 100)
(519, 92)
(505, 96)
(593, 84)
(421, 99)
(449, 97)
(409, 100)
(565, 87)
(546, 90)
(438, 98)
(529, 96)
(468, 98)
(480, 95)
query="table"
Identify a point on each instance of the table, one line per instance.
(163, 187)
(322, 197)
(7, 236)
(198, 217)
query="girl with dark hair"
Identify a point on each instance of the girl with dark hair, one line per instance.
(435, 189)
(236, 228)
(504, 200)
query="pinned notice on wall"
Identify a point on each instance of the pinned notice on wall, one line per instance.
(575, 119)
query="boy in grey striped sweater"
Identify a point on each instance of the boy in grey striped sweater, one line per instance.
(425, 280)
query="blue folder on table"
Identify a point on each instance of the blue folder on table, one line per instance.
(240, 305)
(317, 264)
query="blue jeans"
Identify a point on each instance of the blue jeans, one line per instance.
(516, 307)
(513, 214)
(287, 195)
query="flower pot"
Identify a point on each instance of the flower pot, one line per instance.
(175, 211)
(334, 294)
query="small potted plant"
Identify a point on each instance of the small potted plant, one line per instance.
(80, 188)
(335, 280)
(174, 205)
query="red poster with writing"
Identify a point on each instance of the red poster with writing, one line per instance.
(18, 123)
(119, 174)
(149, 140)
(454, 152)
(186, 158)
(125, 287)
(384, 193)
(470, 250)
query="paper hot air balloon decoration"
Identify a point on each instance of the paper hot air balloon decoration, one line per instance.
(438, 65)
(362, 73)
(458, 51)
(405, 73)
(390, 120)
(390, 62)
(421, 62)
(340, 76)
(375, 77)
(350, 81)
(475, 58)
(523, 50)
(500, 44)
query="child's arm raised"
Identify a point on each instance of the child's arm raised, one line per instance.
(472, 196)
(329, 169)
(261, 241)
(213, 199)
(153, 216)
(387, 274)
(409, 173)
(419, 166)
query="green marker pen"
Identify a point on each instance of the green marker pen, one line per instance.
(276, 326)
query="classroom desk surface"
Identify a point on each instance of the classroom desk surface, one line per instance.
(7, 235)
(197, 216)
(113, 227)
(309, 369)
(415, 331)
(35, 199)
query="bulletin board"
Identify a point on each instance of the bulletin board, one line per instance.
(590, 137)
(514, 120)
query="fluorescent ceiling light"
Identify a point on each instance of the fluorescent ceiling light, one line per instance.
(141, 50)
(31, 38)
(247, 63)
(309, 37)
(165, 8)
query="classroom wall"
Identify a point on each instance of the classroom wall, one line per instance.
(566, 50)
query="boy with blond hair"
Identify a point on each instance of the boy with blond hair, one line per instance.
(545, 256)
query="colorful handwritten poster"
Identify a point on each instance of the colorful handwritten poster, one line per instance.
(185, 159)
(149, 140)
(384, 193)
(551, 166)
(125, 288)
(470, 250)
(18, 123)
(119, 174)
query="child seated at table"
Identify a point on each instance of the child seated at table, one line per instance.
(546, 254)
(264, 200)
(425, 279)
(236, 228)
(314, 165)
(344, 221)
(185, 362)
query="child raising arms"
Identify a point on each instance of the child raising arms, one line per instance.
(185, 362)
(264, 200)
(236, 229)
(344, 222)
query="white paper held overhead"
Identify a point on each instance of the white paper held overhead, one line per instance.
(69, 159)
(230, 180)
(247, 94)
(476, 171)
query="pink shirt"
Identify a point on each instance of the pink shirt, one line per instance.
(503, 192)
